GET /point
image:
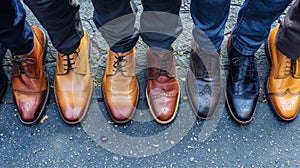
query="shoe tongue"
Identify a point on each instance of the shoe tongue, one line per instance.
(243, 68)
(284, 63)
(196, 65)
(161, 64)
(124, 63)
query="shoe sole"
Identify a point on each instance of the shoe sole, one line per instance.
(269, 56)
(153, 114)
(45, 50)
(132, 114)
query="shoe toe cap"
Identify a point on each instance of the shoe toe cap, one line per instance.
(287, 106)
(121, 111)
(242, 108)
(29, 108)
(164, 108)
(73, 106)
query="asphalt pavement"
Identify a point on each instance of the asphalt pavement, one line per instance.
(186, 142)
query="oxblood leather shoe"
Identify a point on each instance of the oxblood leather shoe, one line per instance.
(242, 86)
(29, 84)
(73, 85)
(163, 90)
(283, 85)
(120, 86)
(3, 77)
(203, 81)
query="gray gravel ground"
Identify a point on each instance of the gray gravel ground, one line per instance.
(188, 142)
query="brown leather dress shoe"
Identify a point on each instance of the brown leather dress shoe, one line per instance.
(29, 84)
(163, 89)
(73, 85)
(120, 86)
(283, 91)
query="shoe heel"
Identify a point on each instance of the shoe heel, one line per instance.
(267, 51)
(45, 49)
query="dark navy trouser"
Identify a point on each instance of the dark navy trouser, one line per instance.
(288, 36)
(15, 33)
(114, 18)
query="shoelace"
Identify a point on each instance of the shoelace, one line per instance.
(289, 67)
(118, 63)
(23, 63)
(248, 68)
(70, 60)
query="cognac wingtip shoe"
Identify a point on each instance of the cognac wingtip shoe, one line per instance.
(242, 88)
(282, 87)
(163, 90)
(73, 84)
(120, 86)
(29, 83)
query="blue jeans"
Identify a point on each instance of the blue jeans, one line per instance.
(251, 29)
(15, 32)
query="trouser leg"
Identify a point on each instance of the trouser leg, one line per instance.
(288, 35)
(115, 20)
(160, 23)
(61, 20)
(210, 17)
(15, 32)
(253, 24)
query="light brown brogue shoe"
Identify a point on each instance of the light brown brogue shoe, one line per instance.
(73, 85)
(120, 86)
(162, 90)
(29, 83)
(283, 82)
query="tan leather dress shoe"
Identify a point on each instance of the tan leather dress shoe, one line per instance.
(283, 82)
(73, 85)
(29, 84)
(162, 87)
(120, 86)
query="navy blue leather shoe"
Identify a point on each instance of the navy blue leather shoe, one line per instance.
(242, 86)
